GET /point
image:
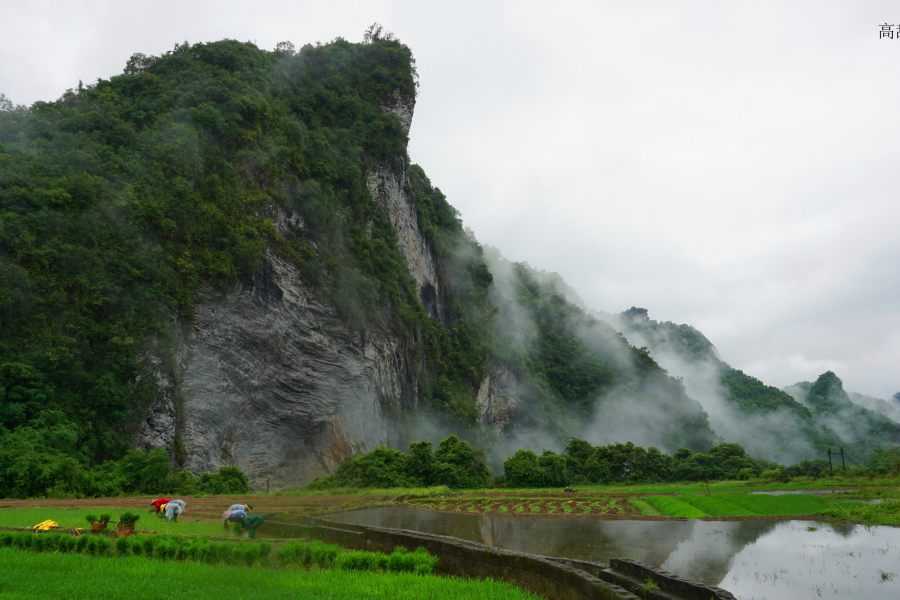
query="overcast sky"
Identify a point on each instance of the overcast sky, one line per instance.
(731, 165)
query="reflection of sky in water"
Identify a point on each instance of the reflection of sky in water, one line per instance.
(755, 560)
(791, 562)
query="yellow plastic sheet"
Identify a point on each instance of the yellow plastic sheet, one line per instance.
(45, 525)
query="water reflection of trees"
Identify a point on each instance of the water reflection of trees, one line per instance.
(699, 550)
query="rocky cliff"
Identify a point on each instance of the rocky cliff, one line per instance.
(267, 377)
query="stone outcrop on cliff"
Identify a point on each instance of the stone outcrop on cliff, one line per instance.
(268, 378)
(498, 396)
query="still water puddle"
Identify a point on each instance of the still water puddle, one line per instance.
(755, 560)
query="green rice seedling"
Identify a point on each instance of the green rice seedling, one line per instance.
(195, 550)
(165, 550)
(519, 508)
(645, 587)
(6, 539)
(291, 553)
(361, 561)
(24, 541)
(503, 509)
(264, 551)
(81, 543)
(104, 518)
(425, 562)
(91, 519)
(251, 554)
(674, 507)
(146, 545)
(322, 554)
(43, 542)
(403, 561)
(66, 543)
(98, 546)
(225, 553)
(55, 540)
(885, 576)
(788, 504)
(124, 546)
(78, 577)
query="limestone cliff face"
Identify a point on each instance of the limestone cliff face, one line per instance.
(498, 396)
(267, 377)
(389, 184)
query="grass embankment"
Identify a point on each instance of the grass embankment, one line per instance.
(74, 576)
(695, 506)
(74, 517)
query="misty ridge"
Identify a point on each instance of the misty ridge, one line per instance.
(770, 424)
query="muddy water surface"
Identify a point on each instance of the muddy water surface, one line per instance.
(784, 560)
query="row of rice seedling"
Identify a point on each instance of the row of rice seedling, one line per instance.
(195, 549)
(52, 542)
(324, 555)
(694, 506)
(674, 507)
(78, 577)
(201, 550)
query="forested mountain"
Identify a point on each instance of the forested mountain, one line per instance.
(798, 423)
(225, 253)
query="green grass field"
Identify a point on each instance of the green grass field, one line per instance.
(670, 507)
(695, 506)
(74, 517)
(73, 576)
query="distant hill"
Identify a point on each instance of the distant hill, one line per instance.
(781, 425)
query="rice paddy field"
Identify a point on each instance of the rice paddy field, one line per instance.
(74, 576)
(75, 517)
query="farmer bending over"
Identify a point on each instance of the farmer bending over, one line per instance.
(231, 515)
(244, 507)
(173, 509)
(158, 504)
(250, 523)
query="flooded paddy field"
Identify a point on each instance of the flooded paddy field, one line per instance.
(755, 560)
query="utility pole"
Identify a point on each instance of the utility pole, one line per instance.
(830, 470)
(842, 460)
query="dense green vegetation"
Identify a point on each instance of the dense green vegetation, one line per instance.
(27, 472)
(751, 395)
(628, 463)
(454, 464)
(120, 199)
(459, 347)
